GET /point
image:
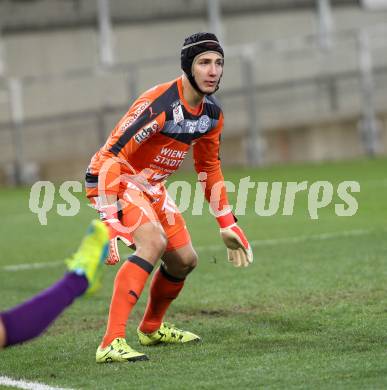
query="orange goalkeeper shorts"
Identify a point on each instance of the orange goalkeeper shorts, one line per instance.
(139, 208)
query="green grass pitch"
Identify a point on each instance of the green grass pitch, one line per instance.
(310, 313)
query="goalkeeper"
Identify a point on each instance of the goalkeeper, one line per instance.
(125, 183)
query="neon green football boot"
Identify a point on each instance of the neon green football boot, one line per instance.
(118, 351)
(167, 334)
(90, 256)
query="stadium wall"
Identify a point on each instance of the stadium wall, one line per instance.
(61, 80)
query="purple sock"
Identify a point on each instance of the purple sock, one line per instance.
(32, 317)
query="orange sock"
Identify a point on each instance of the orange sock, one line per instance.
(164, 289)
(128, 285)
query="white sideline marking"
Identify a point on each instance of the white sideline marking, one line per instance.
(296, 239)
(21, 267)
(255, 243)
(20, 384)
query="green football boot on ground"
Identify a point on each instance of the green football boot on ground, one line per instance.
(167, 334)
(118, 351)
(89, 258)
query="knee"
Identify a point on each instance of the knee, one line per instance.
(189, 262)
(180, 263)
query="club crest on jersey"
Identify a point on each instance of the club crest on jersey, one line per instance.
(178, 115)
(203, 123)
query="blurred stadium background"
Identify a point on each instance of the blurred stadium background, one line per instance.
(304, 80)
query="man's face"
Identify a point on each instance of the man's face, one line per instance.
(207, 71)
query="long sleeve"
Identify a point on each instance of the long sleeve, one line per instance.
(207, 164)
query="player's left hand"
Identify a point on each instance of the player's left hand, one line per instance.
(238, 248)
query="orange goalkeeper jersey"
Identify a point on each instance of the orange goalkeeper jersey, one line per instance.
(152, 139)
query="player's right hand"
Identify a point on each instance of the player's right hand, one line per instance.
(109, 214)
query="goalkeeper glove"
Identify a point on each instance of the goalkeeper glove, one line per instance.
(238, 248)
(109, 214)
